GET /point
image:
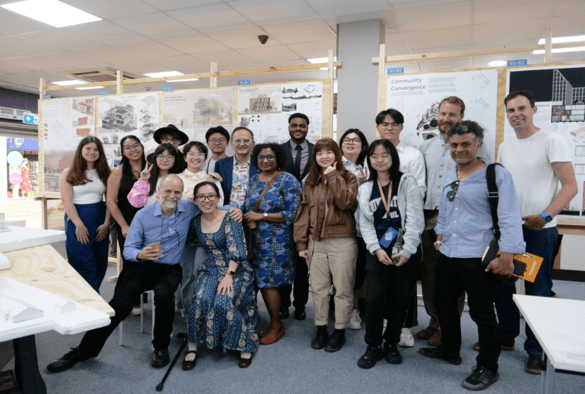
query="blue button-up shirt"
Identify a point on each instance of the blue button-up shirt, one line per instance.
(466, 222)
(150, 225)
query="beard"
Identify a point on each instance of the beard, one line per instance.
(170, 203)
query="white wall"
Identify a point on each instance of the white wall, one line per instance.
(3, 170)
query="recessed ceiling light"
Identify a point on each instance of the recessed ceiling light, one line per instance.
(560, 50)
(90, 87)
(51, 12)
(164, 74)
(559, 40)
(183, 80)
(69, 82)
(498, 63)
(321, 60)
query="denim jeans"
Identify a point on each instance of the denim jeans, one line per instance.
(542, 243)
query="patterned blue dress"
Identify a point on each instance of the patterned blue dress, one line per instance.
(274, 250)
(229, 319)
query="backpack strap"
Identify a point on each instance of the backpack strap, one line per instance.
(493, 196)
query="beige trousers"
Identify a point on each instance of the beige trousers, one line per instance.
(333, 258)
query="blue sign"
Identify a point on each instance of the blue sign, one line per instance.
(46, 96)
(244, 82)
(14, 158)
(518, 62)
(102, 92)
(167, 88)
(395, 70)
(22, 144)
(30, 119)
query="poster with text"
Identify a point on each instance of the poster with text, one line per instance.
(418, 96)
(560, 98)
(129, 114)
(65, 123)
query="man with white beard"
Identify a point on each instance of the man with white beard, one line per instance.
(149, 267)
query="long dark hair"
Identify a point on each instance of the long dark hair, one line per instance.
(127, 179)
(395, 173)
(155, 172)
(362, 156)
(316, 171)
(76, 175)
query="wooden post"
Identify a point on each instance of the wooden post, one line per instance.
(213, 78)
(119, 83)
(42, 88)
(382, 80)
(548, 45)
(330, 73)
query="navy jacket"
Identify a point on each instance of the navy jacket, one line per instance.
(224, 168)
(290, 160)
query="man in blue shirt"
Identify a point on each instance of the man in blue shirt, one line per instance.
(464, 230)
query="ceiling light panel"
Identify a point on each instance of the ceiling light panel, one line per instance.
(164, 74)
(51, 12)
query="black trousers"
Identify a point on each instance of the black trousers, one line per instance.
(389, 294)
(135, 279)
(301, 288)
(453, 276)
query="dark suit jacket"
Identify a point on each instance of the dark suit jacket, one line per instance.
(224, 168)
(290, 160)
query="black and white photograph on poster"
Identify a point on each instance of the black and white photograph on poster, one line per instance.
(259, 99)
(560, 100)
(418, 96)
(65, 122)
(129, 114)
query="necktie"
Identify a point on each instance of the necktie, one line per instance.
(298, 161)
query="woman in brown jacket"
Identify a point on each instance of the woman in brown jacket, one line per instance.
(325, 234)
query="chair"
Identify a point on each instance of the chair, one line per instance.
(121, 326)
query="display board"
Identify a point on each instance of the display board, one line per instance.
(417, 97)
(560, 99)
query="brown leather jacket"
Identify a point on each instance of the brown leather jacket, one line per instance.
(341, 198)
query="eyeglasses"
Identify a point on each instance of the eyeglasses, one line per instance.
(217, 140)
(191, 154)
(384, 157)
(244, 140)
(210, 198)
(452, 193)
(130, 147)
(169, 140)
(351, 140)
(386, 124)
(269, 158)
(165, 157)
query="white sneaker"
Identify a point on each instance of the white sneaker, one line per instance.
(355, 322)
(136, 310)
(406, 339)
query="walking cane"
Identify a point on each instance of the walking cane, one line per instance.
(160, 386)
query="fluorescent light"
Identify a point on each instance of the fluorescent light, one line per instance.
(69, 82)
(560, 50)
(90, 87)
(51, 12)
(183, 80)
(326, 68)
(164, 74)
(559, 40)
(498, 63)
(321, 60)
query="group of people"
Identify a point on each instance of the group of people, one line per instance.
(208, 232)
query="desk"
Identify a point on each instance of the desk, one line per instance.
(558, 325)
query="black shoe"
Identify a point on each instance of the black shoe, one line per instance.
(370, 357)
(160, 358)
(534, 364)
(321, 338)
(284, 314)
(300, 314)
(336, 341)
(67, 360)
(503, 347)
(434, 352)
(480, 379)
(392, 354)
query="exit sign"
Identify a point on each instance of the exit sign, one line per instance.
(518, 62)
(395, 70)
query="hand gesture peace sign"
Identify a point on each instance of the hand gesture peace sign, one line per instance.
(363, 175)
(145, 174)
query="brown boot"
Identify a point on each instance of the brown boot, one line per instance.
(427, 333)
(435, 340)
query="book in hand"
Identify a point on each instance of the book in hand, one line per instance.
(526, 265)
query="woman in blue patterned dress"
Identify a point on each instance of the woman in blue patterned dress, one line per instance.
(224, 308)
(274, 253)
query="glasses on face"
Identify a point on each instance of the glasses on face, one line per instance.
(387, 125)
(130, 147)
(210, 198)
(169, 140)
(351, 140)
(165, 157)
(217, 140)
(269, 158)
(243, 140)
(191, 154)
(452, 193)
(382, 158)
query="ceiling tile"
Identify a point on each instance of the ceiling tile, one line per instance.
(226, 59)
(146, 49)
(139, 67)
(98, 56)
(157, 25)
(62, 39)
(269, 54)
(109, 9)
(568, 7)
(434, 16)
(194, 43)
(14, 23)
(26, 46)
(38, 62)
(305, 31)
(211, 18)
(12, 68)
(277, 11)
(242, 38)
(6, 53)
(509, 32)
(566, 26)
(182, 63)
(105, 32)
(492, 11)
(395, 43)
(327, 9)
(439, 37)
(314, 49)
(417, 3)
(443, 65)
(169, 5)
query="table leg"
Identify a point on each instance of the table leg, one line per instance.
(548, 377)
(26, 366)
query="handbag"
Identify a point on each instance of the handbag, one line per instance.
(248, 230)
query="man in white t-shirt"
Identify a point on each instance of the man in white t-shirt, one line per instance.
(538, 160)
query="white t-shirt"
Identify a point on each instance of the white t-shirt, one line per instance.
(90, 193)
(529, 160)
(412, 162)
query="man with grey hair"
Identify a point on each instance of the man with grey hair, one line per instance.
(464, 229)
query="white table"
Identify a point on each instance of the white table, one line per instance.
(559, 326)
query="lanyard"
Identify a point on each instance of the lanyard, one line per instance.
(386, 202)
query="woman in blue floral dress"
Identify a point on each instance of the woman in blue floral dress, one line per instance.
(274, 253)
(224, 308)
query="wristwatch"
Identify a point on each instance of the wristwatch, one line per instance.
(438, 243)
(546, 217)
(265, 216)
(232, 273)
